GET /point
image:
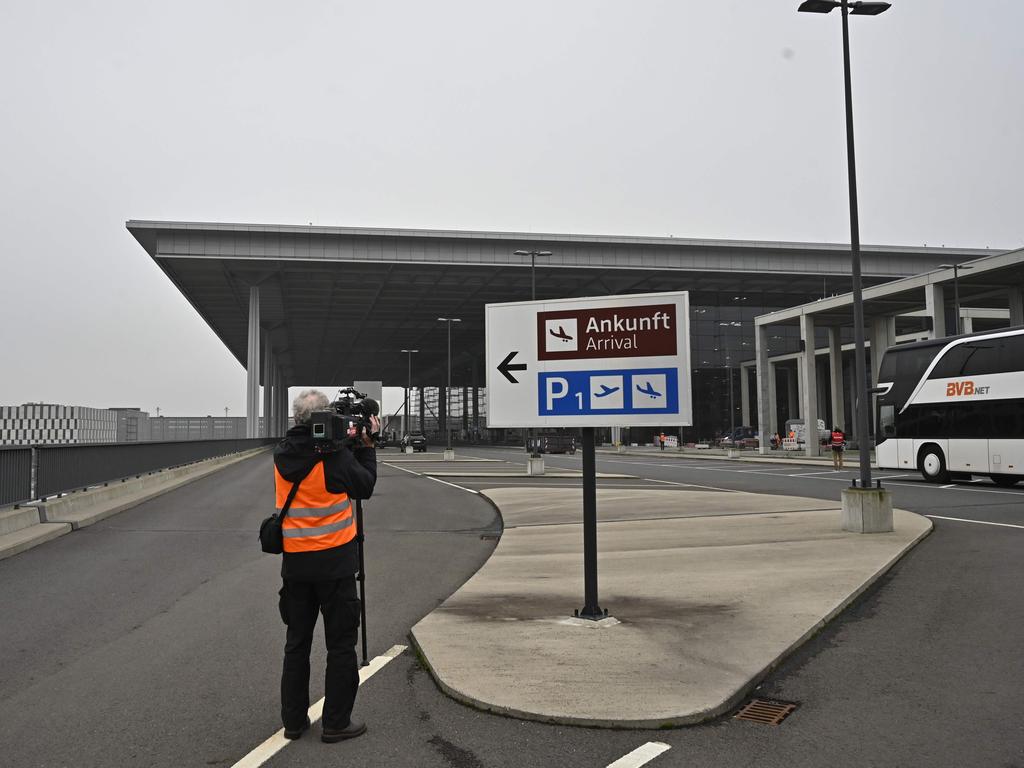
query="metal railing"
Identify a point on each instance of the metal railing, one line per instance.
(45, 470)
(15, 475)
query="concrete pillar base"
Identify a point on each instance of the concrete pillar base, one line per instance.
(866, 510)
(409, 449)
(449, 454)
(535, 465)
(620, 448)
(733, 453)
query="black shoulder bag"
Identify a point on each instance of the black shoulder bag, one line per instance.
(271, 537)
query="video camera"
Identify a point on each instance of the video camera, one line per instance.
(347, 420)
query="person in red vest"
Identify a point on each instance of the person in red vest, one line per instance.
(661, 439)
(838, 443)
(318, 566)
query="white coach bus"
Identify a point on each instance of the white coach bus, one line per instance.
(954, 406)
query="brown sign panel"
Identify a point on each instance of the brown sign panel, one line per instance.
(584, 334)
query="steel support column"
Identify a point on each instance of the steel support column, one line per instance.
(268, 386)
(765, 389)
(835, 368)
(252, 366)
(883, 336)
(1015, 296)
(423, 410)
(809, 386)
(935, 305)
(793, 394)
(745, 395)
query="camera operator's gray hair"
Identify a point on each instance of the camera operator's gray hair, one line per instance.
(309, 400)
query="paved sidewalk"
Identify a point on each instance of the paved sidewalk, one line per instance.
(709, 591)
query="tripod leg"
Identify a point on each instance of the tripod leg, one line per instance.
(362, 576)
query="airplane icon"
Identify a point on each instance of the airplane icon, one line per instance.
(648, 389)
(606, 390)
(561, 334)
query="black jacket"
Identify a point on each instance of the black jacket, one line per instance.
(345, 471)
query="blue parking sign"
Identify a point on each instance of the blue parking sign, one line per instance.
(610, 392)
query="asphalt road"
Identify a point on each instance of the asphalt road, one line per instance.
(153, 639)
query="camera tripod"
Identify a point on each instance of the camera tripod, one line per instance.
(361, 578)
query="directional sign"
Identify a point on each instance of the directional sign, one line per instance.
(603, 361)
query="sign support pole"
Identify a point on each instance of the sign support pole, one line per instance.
(591, 609)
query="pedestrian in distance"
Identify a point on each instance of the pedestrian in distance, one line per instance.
(661, 440)
(838, 443)
(319, 564)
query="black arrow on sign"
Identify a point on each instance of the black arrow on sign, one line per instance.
(505, 366)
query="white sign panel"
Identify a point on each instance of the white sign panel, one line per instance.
(594, 362)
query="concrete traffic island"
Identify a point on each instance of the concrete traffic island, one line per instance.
(709, 591)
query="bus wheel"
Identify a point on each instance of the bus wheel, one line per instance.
(932, 464)
(1005, 481)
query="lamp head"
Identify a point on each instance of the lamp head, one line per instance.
(817, 6)
(869, 8)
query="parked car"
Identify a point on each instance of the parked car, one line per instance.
(554, 442)
(417, 440)
(741, 437)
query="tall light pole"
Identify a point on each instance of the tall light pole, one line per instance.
(533, 297)
(408, 392)
(862, 8)
(448, 390)
(533, 269)
(728, 368)
(956, 293)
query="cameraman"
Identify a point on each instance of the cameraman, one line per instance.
(319, 564)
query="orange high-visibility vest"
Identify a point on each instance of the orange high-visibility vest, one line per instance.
(317, 518)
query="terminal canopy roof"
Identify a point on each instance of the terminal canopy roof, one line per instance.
(339, 304)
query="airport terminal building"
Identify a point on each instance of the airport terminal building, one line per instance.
(305, 305)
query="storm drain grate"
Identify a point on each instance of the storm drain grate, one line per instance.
(765, 711)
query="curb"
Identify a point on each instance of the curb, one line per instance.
(692, 718)
(758, 459)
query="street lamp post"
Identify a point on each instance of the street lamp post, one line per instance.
(728, 367)
(448, 390)
(533, 297)
(860, 365)
(956, 293)
(408, 391)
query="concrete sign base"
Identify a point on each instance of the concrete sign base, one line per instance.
(866, 510)
(535, 465)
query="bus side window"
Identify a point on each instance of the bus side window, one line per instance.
(887, 419)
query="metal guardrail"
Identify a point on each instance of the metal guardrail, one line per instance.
(39, 471)
(15, 475)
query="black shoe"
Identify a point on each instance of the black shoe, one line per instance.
(350, 731)
(294, 733)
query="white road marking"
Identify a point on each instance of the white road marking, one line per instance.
(951, 485)
(689, 485)
(277, 742)
(411, 472)
(979, 522)
(453, 485)
(436, 480)
(641, 755)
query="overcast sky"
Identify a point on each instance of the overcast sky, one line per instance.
(721, 119)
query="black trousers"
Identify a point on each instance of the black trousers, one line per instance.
(300, 603)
